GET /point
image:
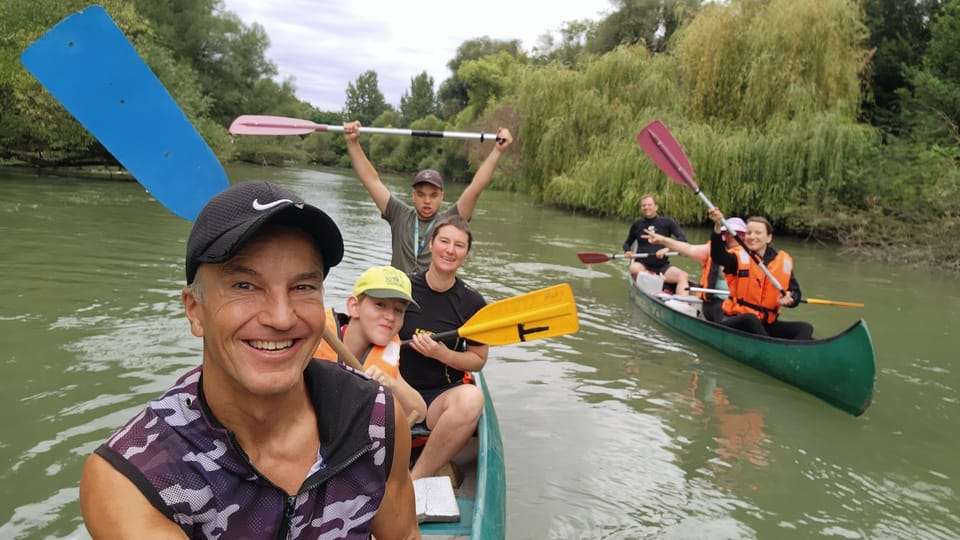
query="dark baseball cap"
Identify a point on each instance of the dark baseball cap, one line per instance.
(428, 176)
(231, 217)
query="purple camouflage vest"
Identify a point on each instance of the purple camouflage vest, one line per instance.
(192, 469)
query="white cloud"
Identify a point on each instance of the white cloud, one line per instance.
(324, 45)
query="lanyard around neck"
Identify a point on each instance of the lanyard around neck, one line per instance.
(417, 241)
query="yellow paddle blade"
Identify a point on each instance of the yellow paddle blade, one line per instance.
(539, 314)
(831, 302)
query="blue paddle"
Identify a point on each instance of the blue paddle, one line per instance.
(90, 67)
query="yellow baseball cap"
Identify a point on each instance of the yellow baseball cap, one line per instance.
(384, 282)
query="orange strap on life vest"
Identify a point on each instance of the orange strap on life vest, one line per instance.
(387, 358)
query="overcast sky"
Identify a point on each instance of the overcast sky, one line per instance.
(326, 44)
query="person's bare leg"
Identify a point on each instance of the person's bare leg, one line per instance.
(678, 277)
(636, 268)
(452, 419)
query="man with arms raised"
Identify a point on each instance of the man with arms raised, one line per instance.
(410, 227)
(258, 441)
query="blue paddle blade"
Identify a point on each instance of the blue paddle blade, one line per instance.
(90, 67)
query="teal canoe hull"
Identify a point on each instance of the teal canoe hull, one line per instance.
(840, 370)
(484, 515)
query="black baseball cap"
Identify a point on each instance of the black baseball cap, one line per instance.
(231, 217)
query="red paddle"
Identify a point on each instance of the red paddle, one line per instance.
(660, 145)
(251, 124)
(597, 258)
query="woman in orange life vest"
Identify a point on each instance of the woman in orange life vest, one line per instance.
(709, 269)
(754, 303)
(369, 330)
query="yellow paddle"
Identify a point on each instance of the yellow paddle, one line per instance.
(829, 302)
(539, 314)
(802, 300)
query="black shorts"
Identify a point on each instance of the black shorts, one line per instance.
(656, 269)
(429, 395)
(433, 393)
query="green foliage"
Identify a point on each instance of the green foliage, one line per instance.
(212, 65)
(641, 22)
(269, 151)
(227, 57)
(33, 125)
(899, 32)
(571, 50)
(420, 101)
(764, 95)
(570, 114)
(935, 101)
(454, 93)
(754, 61)
(410, 154)
(365, 101)
(487, 79)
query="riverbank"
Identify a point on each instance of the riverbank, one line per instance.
(927, 246)
(96, 173)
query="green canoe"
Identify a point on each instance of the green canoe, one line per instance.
(839, 370)
(482, 495)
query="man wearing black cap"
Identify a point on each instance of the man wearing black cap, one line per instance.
(410, 227)
(258, 441)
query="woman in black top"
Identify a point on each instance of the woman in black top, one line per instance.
(436, 368)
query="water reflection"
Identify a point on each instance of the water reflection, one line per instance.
(739, 434)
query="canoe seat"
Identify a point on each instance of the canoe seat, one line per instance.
(436, 501)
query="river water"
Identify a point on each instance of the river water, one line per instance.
(623, 430)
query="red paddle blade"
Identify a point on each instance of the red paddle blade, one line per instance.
(593, 258)
(253, 124)
(661, 146)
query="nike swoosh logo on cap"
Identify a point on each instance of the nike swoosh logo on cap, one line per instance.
(258, 206)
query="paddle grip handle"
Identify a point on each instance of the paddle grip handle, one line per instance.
(439, 336)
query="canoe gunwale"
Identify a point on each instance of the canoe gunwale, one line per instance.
(482, 496)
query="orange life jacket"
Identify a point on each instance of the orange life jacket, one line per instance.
(750, 289)
(386, 358)
(708, 278)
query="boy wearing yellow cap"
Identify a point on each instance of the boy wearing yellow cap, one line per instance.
(369, 329)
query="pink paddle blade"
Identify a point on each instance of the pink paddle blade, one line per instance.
(253, 124)
(661, 146)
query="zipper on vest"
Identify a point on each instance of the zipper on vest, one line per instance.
(325, 474)
(289, 510)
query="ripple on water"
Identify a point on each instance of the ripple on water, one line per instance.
(43, 518)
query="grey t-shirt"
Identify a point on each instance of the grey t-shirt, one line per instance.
(404, 225)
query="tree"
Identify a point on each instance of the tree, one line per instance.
(365, 101)
(453, 93)
(487, 79)
(229, 58)
(651, 22)
(232, 65)
(899, 32)
(754, 61)
(421, 100)
(33, 125)
(936, 95)
(574, 36)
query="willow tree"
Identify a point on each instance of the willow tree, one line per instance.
(779, 84)
(751, 61)
(579, 129)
